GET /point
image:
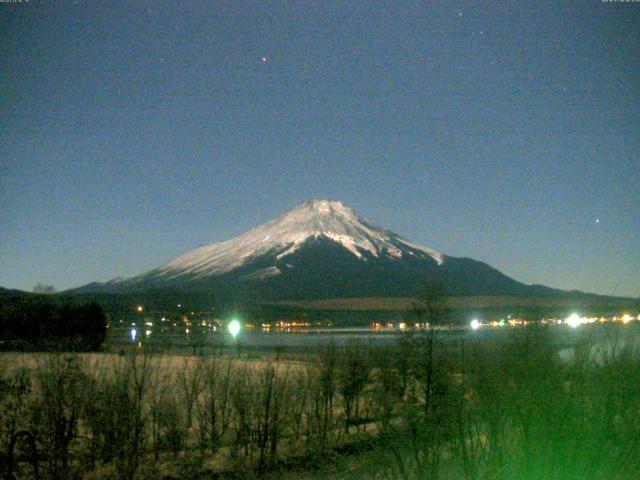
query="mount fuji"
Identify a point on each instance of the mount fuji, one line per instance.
(320, 249)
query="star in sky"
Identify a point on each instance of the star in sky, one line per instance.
(325, 119)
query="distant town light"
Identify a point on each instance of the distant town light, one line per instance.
(234, 328)
(574, 320)
(475, 324)
(139, 308)
(134, 333)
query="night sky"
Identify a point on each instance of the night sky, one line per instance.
(506, 132)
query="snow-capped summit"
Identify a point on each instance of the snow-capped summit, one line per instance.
(331, 220)
(318, 249)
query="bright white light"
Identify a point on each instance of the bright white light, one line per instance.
(574, 320)
(133, 334)
(475, 324)
(234, 328)
(147, 333)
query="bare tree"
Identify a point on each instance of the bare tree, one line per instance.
(190, 382)
(302, 382)
(15, 403)
(216, 406)
(424, 432)
(57, 411)
(117, 414)
(323, 391)
(270, 393)
(352, 376)
(388, 381)
(242, 399)
(430, 308)
(44, 289)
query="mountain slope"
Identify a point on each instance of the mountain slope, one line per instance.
(320, 249)
(285, 235)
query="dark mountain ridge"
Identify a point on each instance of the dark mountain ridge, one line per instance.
(320, 250)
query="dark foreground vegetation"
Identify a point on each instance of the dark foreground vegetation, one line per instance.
(417, 410)
(46, 322)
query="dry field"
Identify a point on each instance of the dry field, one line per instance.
(169, 364)
(417, 409)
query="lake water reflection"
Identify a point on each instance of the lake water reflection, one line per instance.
(562, 336)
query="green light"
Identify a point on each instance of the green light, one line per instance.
(574, 320)
(234, 328)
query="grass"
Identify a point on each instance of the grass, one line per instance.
(513, 409)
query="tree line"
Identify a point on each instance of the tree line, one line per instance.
(45, 322)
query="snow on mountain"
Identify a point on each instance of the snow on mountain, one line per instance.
(285, 235)
(319, 249)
